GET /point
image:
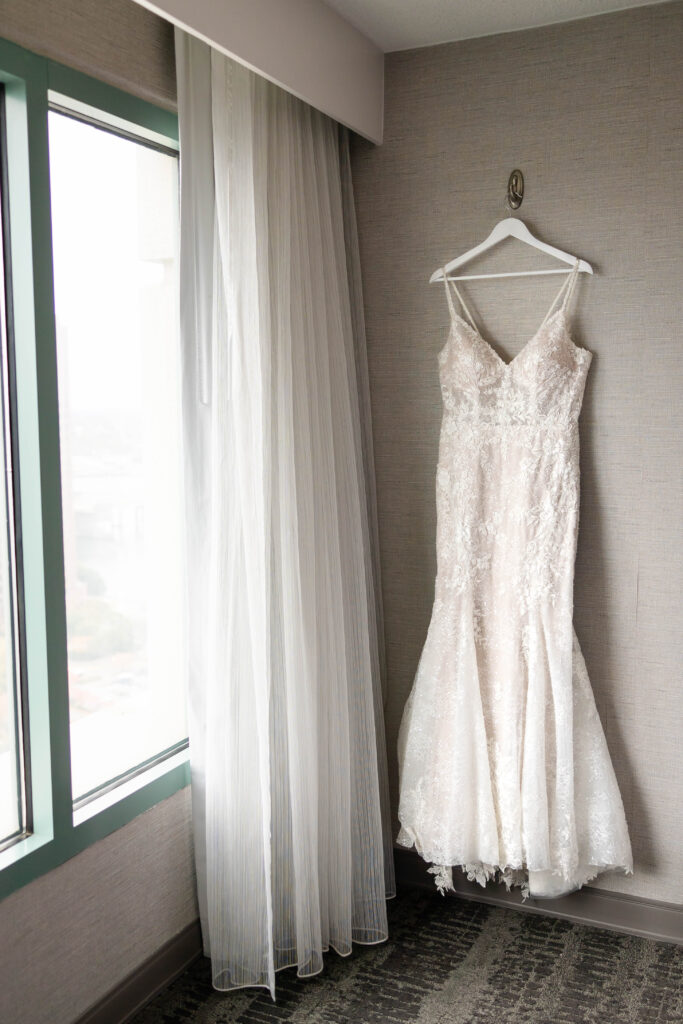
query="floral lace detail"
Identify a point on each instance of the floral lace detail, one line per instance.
(443, 878)
(482, 874)
(504, 769)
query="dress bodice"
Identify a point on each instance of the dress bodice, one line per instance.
(544, 382)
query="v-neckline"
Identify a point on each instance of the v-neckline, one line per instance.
(487, 344)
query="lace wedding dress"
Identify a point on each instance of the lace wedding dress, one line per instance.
(504, 769)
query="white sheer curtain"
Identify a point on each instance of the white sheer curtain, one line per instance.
(287, 739)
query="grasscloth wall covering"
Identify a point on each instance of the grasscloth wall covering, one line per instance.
(71, 936)
(118, 41)
(591, 112)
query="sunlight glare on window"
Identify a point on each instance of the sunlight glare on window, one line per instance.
(115, 244)
(12, 808)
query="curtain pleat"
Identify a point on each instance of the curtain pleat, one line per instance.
(290, 791)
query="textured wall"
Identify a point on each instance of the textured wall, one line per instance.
(591, 112)
(117, 41)
(71, 936)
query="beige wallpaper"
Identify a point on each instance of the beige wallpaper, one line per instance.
(71, 936)
(114, 40)
(591, 112)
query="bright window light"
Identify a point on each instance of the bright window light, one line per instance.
(115, 250)
(12, 778)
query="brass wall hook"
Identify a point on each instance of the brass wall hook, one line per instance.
(515, 190)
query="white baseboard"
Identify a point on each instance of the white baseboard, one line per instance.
(596, 907)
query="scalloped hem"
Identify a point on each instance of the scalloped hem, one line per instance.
(482, 874)
(537, 885)
(545, 884)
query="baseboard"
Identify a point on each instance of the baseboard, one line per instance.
(123, 1002)
(597, 907)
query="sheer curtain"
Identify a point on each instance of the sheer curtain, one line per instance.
(290, 799)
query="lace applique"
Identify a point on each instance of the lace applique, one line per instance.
(443, 878)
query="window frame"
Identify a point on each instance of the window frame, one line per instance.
(8, 415)
(57, 831)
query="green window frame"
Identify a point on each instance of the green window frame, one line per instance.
(56, 832)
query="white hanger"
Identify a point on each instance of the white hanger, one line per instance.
(510, 227)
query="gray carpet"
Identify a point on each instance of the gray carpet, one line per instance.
(449, 961)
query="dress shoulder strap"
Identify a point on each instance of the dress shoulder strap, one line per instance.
(567, 290)
(451, 306)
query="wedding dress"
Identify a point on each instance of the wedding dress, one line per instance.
(503, 765)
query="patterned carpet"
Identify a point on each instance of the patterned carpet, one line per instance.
(449, 961)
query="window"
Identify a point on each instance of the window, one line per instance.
(13, 816)
(115, 253)
(92, 703)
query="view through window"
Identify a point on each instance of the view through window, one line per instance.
(115, 248)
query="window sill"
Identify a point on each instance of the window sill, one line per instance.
(22, 848)
(131, 787)
(38, 853)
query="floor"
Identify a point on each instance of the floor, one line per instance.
(450, 961)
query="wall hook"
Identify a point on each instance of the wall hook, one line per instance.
(515, 190)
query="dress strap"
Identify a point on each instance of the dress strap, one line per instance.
(567, 289)
(460, 300)
(573, 278)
